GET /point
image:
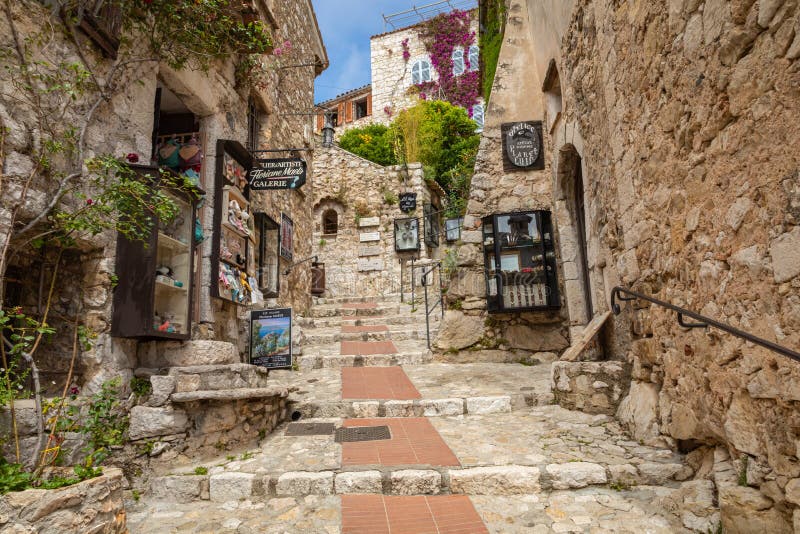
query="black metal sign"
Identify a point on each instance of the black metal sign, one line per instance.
(271, 338)
(280, 173)
(408, 202)
(522, 145)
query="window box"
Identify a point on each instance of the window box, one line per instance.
(153, 296)
(520, 262)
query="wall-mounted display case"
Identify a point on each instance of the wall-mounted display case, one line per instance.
(520, 262)
(153, 296)
(266, 255)
(406, 234)
(234, 236)
(432, 226)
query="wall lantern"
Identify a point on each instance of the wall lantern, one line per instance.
(327, 132)
(452, 229)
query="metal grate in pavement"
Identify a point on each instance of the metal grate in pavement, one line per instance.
(309, 429)
(362, 433)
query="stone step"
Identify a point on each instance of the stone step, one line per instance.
(388, 298)
(217, 377)
(160, 354)
(338, 311)
(328, 336)
(229, 394)
(310, 360)
(223, 485)
(416, 318)
(370, 408)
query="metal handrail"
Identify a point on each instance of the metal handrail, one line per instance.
(439, 302)
(704, 322)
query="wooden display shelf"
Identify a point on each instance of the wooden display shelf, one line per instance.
(170, 286)
(171, 243)
(235, 230)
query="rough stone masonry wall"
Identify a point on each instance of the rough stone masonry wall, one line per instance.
(360, 259)
(690, 117)
(94, 505)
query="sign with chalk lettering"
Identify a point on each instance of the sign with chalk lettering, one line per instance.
(281, 173)
(522, 145)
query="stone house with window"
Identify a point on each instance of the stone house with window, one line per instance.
(184, 298)
(399, 62)
(654, 167)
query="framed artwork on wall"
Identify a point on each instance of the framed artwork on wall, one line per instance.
(287, 236)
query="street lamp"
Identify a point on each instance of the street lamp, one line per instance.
(327, 132)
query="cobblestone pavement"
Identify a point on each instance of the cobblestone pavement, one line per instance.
(484, 432)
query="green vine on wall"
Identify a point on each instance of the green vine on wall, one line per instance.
(493, 14)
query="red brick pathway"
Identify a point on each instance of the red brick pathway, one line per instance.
(377, 383)
(414, 442)
(380, 514)
(364, 348)
(353, 329)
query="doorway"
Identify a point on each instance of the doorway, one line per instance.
(580, 223)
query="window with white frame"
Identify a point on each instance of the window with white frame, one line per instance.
(458, 61)
(421, 72)
(477, 116)
(474, 58)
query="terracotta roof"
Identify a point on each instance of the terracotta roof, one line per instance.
(347, 94)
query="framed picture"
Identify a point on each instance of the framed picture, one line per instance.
(509, 261)
(406, 234)
(271, 338)
(287, 235)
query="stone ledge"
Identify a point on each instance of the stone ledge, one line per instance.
(417, 408)
(229, 394)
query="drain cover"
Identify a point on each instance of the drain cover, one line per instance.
(362, 433)
(309, 429)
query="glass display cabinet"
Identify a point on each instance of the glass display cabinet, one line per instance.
(266, 255)
(520, 262)
(406, 234)
(432, 230)
(153, 296)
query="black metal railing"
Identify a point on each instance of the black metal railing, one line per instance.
(626, 295)
(312, 259)
(438, 301)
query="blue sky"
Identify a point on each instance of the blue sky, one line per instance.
(346, 27)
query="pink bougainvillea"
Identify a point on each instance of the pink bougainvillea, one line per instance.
(406, 51)
(388, 111)
(441, 35)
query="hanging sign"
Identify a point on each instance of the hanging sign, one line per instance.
(522, 145)
(281, 173)
(408, 202)
(271, 338)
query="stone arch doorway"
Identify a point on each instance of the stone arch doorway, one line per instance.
(330, 222)
(571, 214)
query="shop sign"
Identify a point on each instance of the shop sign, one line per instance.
(281, 173)
(271, 338)
(522, 145)
(408, 202)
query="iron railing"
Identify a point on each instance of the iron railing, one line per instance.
(439, 301)
(703, 321)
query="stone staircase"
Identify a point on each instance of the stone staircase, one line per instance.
(485, 434)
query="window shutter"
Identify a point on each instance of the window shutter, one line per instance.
(349, 111)
(369, 104)
(320, 122)
(102, 22)
(341, 113)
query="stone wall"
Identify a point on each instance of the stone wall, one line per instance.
(94, 505)
(683, 117)
(123, 125)
(360, 259)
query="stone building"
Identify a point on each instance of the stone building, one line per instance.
(350, 109)
(356, 208)
(399, 62)
(154, 104)
(669, 133)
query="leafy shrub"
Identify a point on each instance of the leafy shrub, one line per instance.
(372, 142)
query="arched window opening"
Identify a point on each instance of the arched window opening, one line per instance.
(552, 94)
(330, 222)
(421, 72)
(477, 116)
(474, 58)
(458, 61)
